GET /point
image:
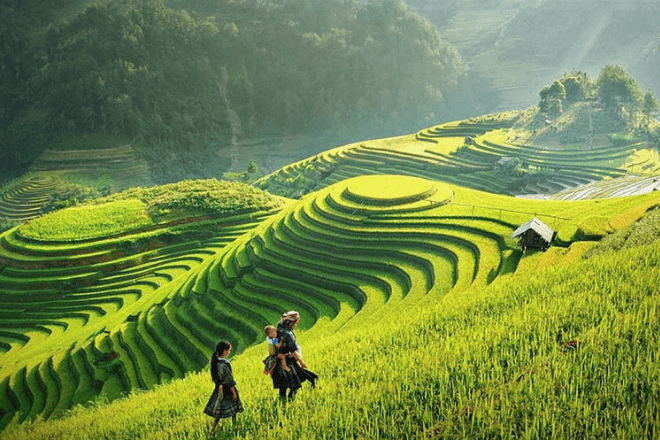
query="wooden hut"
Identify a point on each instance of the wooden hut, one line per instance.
(534, 234)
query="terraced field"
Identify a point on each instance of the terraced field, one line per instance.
(381, 227)
(106, 316)
(79, 319)
(117, 168)
(471, 153)
(22, 199)
(620, 187)
(113, 169)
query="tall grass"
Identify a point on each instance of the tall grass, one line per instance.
(568, 353)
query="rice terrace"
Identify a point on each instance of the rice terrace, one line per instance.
(398, 248)
(486, 277)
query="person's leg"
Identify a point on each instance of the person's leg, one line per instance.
(292, 394)
(282, 393)
(282, 358)
(215, 424)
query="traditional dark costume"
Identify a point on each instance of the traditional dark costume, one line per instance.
(221, 405)
(293, 379)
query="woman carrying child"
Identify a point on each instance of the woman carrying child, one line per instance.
(224, 401)
(274, 342)
(298, 372)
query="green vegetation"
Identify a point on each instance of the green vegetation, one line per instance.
(399, 248)
(567, 352)
(129, 291)
(587, 139)
(107, 169)
(642, 233)
(85, 292)
(26, 197)
(70, 194)
(197, 197)
(509, 153)
(294, 67)
(88, 222)
(346, 256)
(616, 91)
(539, 41)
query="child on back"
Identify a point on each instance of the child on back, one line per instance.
(274, 344)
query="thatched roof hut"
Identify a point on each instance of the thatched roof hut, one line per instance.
(534, 234)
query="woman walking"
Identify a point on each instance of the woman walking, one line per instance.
(225, 401)
(290, 380)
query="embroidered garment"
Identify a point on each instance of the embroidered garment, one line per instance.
(223, 405)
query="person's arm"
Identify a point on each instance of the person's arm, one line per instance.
(296, 356)
(214, 372)
(225, 378)
(272, 348)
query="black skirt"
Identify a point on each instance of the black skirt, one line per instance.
(291, 379)
(221, 406)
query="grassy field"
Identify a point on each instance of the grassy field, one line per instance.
(401, 248)
(570, 352)
(76, 283)
(102, 322)
(89, 222)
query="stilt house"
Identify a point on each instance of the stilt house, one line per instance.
(534, 234)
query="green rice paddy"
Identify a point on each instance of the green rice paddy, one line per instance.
(89, 222)
(399, 248)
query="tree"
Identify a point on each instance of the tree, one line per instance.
(617, 89)
(576, 85)
(551, 97)
(650, 104)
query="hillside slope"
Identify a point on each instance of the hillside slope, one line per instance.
(107, 315)
(187, 78)
(515, 47)
(514, 153)
(568, 351)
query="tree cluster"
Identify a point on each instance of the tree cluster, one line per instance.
(571, 88)
(615, 90)
(200, 70)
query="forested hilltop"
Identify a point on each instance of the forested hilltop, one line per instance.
(184, 77)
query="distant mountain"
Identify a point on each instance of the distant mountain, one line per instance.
(518, 46)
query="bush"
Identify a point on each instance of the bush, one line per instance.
(7, 223)
(71, 195)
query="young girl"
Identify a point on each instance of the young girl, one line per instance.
(224, 401)
(274, 345)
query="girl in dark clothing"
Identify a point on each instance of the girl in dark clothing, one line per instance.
(224, 401)
(291, 380)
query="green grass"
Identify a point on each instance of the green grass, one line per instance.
(569, 352)
(74, 224)
(117, 274)
(446, 328)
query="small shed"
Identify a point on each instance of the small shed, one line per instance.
(506, 162)
(534, 234)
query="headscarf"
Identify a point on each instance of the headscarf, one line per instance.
(288, 319)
